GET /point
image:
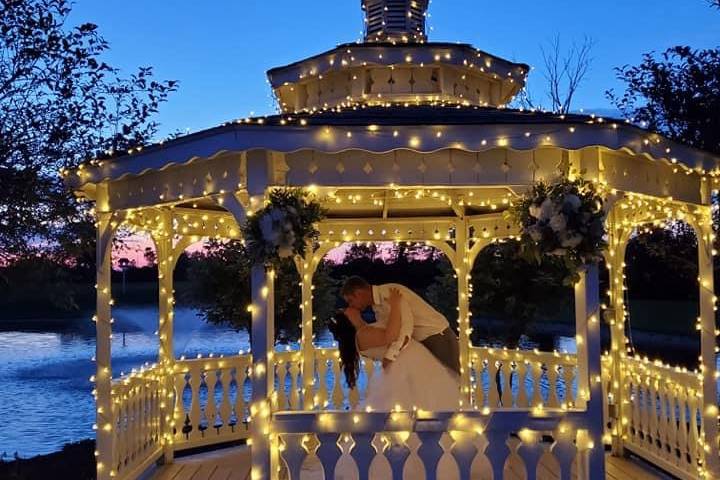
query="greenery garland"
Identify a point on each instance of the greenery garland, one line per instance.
(283, 227)
(562, 221)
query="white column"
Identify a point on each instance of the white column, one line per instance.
(306, 269)
(708, 344)
(103, 376)
(462, 270)
(262, 343)
(615, 316)
(166, 355)
(590, 395)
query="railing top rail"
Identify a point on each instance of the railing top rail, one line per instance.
(212, 363)
(365, 422)
(659, 371)
(528, 356)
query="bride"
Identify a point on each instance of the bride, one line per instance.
(415, 380)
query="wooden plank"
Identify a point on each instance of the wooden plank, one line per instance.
(167, 472)
(631, 468)
(187, 472)
(205, 472)
(222, 473)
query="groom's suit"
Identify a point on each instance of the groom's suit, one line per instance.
(419, 321)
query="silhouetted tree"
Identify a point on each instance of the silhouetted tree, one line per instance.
(676, 93)
(60, 104)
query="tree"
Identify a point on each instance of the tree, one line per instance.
(564, 74)
(510, 294)
(220, 288)
(676, 93)
(60, 105)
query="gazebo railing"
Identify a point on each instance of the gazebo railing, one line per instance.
(663, 419)
(378, 444)
(211, 399)
(137, 402)
(522, 379)
(209, 402)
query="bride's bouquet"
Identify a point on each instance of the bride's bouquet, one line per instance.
(563, 221)
(282, 228)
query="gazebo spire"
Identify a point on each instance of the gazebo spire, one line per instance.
(395, 20)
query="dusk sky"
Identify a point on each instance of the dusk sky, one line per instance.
(219, 50)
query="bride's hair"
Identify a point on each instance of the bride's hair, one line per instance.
(344, 333)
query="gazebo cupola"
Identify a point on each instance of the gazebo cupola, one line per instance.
(395, 20)
(395, 64)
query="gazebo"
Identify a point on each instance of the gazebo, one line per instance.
(404, 140)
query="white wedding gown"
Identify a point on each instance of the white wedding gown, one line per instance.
(416, 379)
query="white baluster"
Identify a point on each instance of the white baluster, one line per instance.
(430, 452)
(281, 376)
(322, 392)
(363, 453)
(521, 379)
(507, 372)
(294, 369)
(210, 407)
(225, 407)
(397, 453)
(293, 454)
(328, 452)
(337, 395)
(464, 450)
(494, 384)
(552, 376)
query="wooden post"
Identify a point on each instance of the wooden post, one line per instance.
(306, 269)
(103, 376)
(708, 343)
(589, 397)
(462, 270)
(262, 329)
(166, 354)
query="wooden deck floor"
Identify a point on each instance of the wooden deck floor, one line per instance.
(234, 464)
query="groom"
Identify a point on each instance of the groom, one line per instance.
(418, 320)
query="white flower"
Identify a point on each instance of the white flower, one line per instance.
(534, 211)
(558, 222)
(573, 201)
(547, 209)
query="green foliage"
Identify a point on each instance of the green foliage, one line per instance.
(282, 228)
(36, 286)
(561, 223)
(442, 292)
(219, 285)
(60, 104)
(515, 293)
(676, 93)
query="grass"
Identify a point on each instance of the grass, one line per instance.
(75, 461)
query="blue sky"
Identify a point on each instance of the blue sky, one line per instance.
(219, 50)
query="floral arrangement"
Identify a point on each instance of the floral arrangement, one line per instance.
(284, 227)
(563, 221)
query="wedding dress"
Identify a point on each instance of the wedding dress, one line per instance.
(416, 379)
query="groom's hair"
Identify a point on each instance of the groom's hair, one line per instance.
(353, 284)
